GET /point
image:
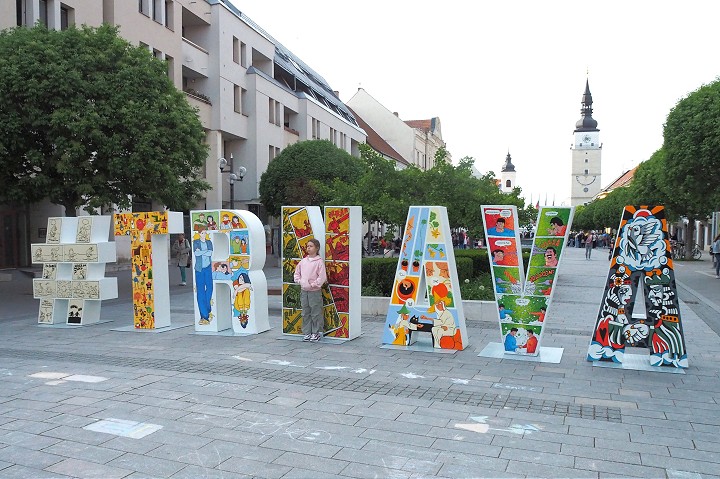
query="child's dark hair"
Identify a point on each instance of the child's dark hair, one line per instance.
(316, 242)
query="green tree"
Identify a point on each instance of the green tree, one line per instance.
(692, 154)
(86, 120)
(299, 175)
(650, 185)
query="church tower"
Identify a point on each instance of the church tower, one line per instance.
(507, 175)
(586, 155)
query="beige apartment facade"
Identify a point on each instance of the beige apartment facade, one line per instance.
(417, 141)
(254, 97)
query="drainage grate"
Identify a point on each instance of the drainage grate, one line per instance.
(456, 396)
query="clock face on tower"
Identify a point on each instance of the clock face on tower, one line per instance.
(587, 138)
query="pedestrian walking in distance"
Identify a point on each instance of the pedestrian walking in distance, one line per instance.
(181, 250)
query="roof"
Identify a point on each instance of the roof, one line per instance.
(295, 66)
(623, 180)
(377, 142)
(425, 125)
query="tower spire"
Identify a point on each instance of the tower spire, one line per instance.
(586, 122)
(508, 166)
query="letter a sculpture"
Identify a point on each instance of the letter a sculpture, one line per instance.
(641, 255)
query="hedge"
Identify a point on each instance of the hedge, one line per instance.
(378, 274)
(480, 261)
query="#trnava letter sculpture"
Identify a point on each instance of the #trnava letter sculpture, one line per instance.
(341, 235)
(149, 246)
(523, 301)
(73, 278)
(641, 255)
(228, 251)
(426, 292)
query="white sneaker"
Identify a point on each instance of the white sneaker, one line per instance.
(308, 337)
(183, 283)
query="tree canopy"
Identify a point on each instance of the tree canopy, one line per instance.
(87, 119)
(317, 173)
(298, 175)
(692, 151)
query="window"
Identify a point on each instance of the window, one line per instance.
(586, 160)
(586, 172)
(43, 12)
(508, 184)
(157, 54)
(158, 10)
(315, 129)
(274, 112)
(170, 66)
(144, 7)
(237, 99)
(273, 152)
(333, 136)
(64, 17)
(169, 18)
(243, 101)
(236, 50)
(243, 55)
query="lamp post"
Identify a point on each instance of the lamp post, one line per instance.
(237, 175)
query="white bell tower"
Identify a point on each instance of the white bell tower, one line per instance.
(507, 175)
(586, 155)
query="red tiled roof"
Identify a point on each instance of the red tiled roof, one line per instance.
(623, 180)
(377, 142)
(424, 125)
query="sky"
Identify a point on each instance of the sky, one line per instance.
(509, 75)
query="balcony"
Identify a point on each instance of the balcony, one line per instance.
(195, 57)
(202, 103)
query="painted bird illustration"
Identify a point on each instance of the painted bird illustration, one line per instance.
(640, 238)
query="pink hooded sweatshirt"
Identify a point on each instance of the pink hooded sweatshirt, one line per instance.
(310, 273)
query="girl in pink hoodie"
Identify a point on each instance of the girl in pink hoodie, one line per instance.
(310, 275)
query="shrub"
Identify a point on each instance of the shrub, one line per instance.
(378, 274)
(479, 288)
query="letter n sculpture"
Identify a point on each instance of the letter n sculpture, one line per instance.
(426, 291)
(641, 255)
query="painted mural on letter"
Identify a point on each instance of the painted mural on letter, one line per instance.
(73, 281)
(339, 230)
(523, 299)
(228, 252)
(426, 301)
(641, 258)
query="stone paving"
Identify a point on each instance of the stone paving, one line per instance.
(264, 407)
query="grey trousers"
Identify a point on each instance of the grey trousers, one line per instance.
(312, 311)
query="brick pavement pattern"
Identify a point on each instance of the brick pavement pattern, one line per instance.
(262, 407)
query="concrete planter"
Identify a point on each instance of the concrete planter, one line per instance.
(474, 310)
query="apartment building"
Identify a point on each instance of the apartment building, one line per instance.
(254, 96)
(416, 141)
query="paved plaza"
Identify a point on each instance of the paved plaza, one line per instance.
(90, 402)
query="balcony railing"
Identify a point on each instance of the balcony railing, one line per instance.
(198, 96)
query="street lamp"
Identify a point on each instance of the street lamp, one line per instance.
(237, 175)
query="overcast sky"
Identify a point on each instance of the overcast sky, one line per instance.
(510, 74)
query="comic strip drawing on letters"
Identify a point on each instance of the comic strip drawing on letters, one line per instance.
(523, 300)
(426, 291)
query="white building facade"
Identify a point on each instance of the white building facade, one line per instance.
(254, 97)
